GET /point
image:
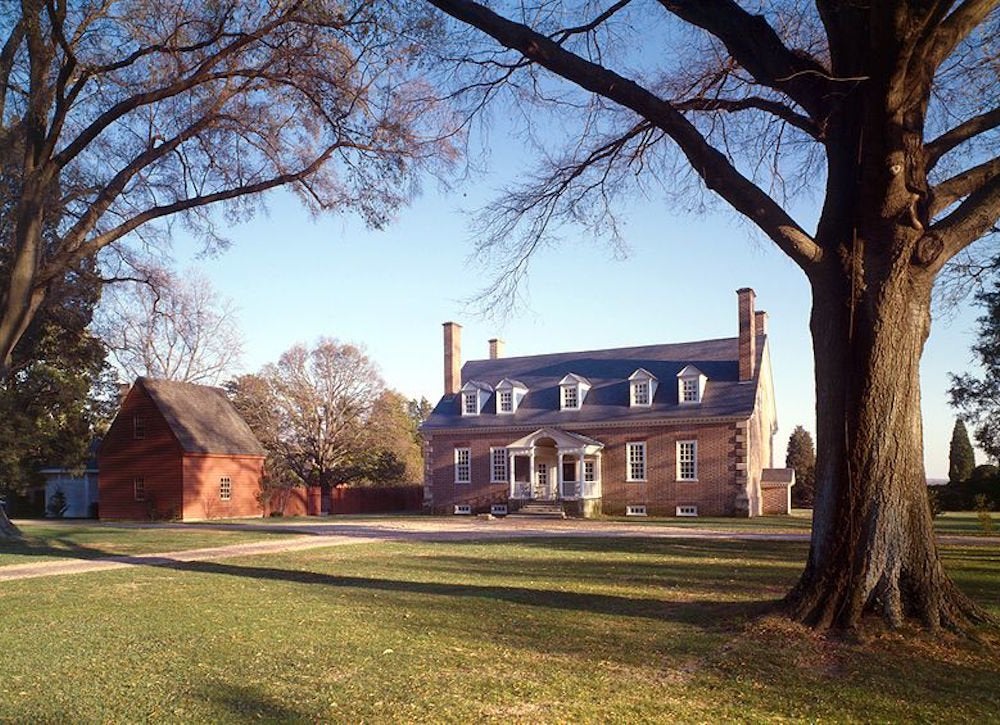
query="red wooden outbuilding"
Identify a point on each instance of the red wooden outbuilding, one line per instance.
(178, 451)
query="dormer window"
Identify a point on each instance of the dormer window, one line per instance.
(573, 391)
(474, 396)
(510, 393)
(690, 385)
(642, 388)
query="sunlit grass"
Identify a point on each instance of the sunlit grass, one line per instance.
(544, 630)
(46, 541)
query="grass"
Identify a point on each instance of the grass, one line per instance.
(49, 540)
(546, 630)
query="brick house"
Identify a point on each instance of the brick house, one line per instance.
(682, 429)
(178, 450)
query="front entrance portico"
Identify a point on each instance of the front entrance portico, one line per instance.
(555, 465)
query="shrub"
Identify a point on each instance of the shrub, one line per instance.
(57, 505)
(984, 472)
(983, 506)
(934, 501)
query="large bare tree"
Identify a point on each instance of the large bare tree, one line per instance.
(117, 114)
(174, 327)
(889, 108)
(310, 409)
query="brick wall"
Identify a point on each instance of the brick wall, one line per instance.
(202, 476)
(156, 458)
(714, 493)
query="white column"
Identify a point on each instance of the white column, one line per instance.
(579, 475)
(511, 457)
(531, 473)
(559, 476)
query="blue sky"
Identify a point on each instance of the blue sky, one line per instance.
(295, 278)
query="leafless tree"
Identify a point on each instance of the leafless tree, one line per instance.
(310, 409)
(890, 110)
(118, 114)
(171, 327)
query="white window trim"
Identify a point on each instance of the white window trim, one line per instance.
(677, 453)
(500, 408)
(628, 461)
(470, 395)
(463, 509)
(685, 510)
(564, 389)
(467, 465)
(592, 465)
(493, 466)
(635, 510)
(225, 488)
(634, 394)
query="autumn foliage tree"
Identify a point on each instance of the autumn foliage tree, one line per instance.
(119, 117)
(889, 110)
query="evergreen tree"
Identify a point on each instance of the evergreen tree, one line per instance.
(961, 459)
(801, 456)
(976, 398)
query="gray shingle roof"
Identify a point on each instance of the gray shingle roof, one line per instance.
(608, 372)
(202, 418)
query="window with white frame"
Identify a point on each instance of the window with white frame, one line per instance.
(139, 488)
(570, 398)
(687, 460)
(463, 465)
(636, 461)
(689, 390)
(589, 471)
(470, 403)
(225, 488)
(506, 398)
(687, 510)
(640, 392)
(498, 465)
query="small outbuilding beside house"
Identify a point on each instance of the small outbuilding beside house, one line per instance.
(179, 451)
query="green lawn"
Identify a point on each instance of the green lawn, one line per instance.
(48, 540)
(547, 630)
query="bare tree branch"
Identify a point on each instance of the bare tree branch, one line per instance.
(961, 185)
(947, 141)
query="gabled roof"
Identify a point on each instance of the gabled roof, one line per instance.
(574, 379)
(642, 374)
(562, 439)
(689, 371)
(202, 418)
(475, 384)
(508, 384)
(608, 373)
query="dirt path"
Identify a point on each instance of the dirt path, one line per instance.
(324, 532)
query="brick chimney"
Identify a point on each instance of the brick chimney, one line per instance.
(748, 336)
(496, 348)
(760, 323)
(452, 358)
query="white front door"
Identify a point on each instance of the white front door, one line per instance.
(543, 489)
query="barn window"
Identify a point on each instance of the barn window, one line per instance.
(138, 427)
(139, 488)
(225, 488)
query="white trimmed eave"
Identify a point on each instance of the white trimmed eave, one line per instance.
(585, 425)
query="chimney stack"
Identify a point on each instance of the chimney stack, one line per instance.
(760, 323)
(452, 358)
(496, 348)
(748, 336)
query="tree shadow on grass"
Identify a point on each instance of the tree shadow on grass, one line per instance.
(709, 615)
(246, 703)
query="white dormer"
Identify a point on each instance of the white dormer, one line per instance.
(474, 397)
(510, 393)
(641, 388)
(572, 391)
(690, 385)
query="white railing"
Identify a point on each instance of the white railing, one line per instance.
(591, 489)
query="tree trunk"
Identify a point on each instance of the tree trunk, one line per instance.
(7, 528)
(873, 548)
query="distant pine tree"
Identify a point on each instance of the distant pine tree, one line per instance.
(961, 459)
(801, 456)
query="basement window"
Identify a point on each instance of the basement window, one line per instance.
(463, 509)
(635, 510)
(687, 510)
